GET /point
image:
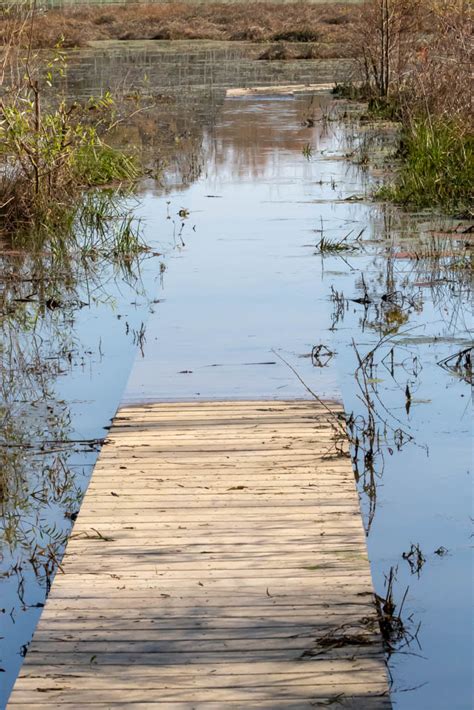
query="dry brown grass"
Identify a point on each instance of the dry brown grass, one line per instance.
(418, 53)
(255, 22)
(438, 76)
(415, 61)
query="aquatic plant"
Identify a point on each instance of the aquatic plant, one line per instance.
(437, 167)
(338, 245)
(395, 632)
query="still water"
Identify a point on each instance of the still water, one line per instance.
(240, 283)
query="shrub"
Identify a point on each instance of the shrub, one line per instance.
(51, 150)
(415, 62)
(48, 159)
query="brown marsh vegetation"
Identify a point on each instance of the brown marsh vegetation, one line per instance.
(255, 22)
(413, 65)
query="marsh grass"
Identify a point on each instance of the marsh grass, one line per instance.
(437, 167)
(48, 161)
(79, 24)
(326, 245)
(96, 163)
(338, 245)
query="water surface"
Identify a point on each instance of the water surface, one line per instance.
(244, 287)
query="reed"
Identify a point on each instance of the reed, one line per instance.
(437, 167)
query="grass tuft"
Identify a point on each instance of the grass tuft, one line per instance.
(437, 167)
(97, 164)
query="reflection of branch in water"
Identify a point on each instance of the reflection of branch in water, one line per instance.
(396, 632)
(339, 308)
(42, 287)
(460, 364)
(375, 428)
(334, 417)
(415, 559)
(390, 292)
(335, 420)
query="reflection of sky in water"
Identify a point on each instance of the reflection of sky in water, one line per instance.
(246, 282)
(91, 389)
(243, 285)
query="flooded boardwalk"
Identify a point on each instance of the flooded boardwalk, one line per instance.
(219, 560)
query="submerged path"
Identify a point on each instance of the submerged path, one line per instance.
(219, 560)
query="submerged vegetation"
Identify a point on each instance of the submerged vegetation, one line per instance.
(414, 63)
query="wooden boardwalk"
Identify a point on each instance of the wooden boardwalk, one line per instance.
(219, 561)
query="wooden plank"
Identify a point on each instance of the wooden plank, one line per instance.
(219, 560)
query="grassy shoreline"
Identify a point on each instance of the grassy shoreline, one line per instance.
(415, 61)
(436, 168)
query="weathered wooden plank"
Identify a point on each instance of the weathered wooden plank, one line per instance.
(223, 673)
(46, 657)
(203, 618)
(219, 560)
(175, 604)
(176, 629)
(296, 703)
(249, 696)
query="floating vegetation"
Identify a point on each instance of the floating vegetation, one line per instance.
(460, 364)
(393, 627)
(338, 245)
(321, 355)
(415, 559)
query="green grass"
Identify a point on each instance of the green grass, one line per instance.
(437, 167)
(96, 163)
(47, 165)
